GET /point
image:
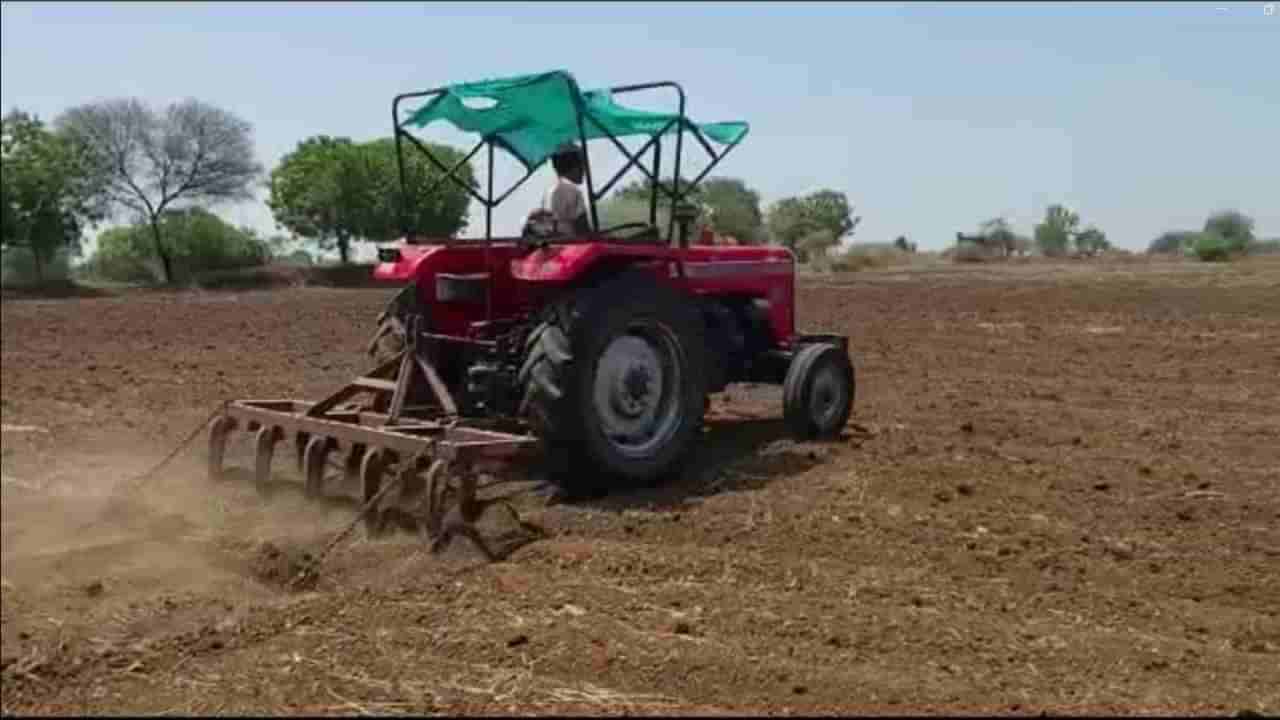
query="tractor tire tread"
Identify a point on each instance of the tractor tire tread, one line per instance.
(551, 390)
(796, 385)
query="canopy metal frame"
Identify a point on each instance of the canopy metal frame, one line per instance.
(677, 193)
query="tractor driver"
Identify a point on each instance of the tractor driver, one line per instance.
(564, 204)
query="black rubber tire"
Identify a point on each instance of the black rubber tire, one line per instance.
(798, 388)
(557, 375)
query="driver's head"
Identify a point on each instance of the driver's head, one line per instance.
(567, 162)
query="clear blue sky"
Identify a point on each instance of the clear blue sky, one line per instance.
(931, 117)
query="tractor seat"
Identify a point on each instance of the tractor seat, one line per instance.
(462, 287)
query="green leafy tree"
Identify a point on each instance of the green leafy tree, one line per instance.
(997, 236)
(146, 162)
(438, 213)
(47, 196)
(788, 223)
(731, 206)
(1091, 241)
(619, 209)
(1233, 226)
(830, 212)
(795, 222)
(640, 190)
(309, 193)
(734, 209)
(1054, 235)
(333, 192)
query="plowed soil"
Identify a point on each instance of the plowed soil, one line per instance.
(1059, 492)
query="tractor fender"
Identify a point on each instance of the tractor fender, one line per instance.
(406, 263)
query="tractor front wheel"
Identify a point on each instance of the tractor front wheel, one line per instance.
(614, 384)
(818, 393)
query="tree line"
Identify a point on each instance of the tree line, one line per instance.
(1225, 234)
(161, 171)
(1059, 234)
(808, 225)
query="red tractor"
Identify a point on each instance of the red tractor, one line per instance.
(606, 343)
(596, 349)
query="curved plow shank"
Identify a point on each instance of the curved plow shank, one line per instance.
(218, 445)
(265, 444)
(315, 458)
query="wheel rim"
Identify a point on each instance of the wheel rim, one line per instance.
(827, 396)
(636, 391)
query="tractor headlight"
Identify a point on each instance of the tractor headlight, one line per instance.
(389, 255)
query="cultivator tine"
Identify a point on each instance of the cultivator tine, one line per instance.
(300, 441)
(264, 445)
(371, 468)
(315, 460)
(218, 445)
(433, 498)
(443, 523)
(351, 465)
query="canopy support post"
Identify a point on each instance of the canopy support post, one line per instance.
(657, 174)
(488, 240)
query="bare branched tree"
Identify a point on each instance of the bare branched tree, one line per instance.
(191, 153)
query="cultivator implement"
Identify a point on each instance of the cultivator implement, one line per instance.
(434, 458)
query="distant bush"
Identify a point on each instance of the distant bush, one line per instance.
(18, 268)
(1173, 242)
(1210, 247)
(972, 253)
(1225, 233)
(1270, 246)
(198, 241)
(864, 256)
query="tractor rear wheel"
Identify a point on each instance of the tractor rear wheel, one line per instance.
(614, 383)
(391, 324)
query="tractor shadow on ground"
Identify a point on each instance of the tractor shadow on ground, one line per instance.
(732, 455)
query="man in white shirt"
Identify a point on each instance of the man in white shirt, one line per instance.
(564, 204)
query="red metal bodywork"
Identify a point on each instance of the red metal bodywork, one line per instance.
(521, 283)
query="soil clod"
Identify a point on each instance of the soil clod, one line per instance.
(282, 566)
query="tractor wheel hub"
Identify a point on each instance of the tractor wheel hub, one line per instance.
(634, 394)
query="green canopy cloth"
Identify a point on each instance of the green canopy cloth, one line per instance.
(533, 115)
